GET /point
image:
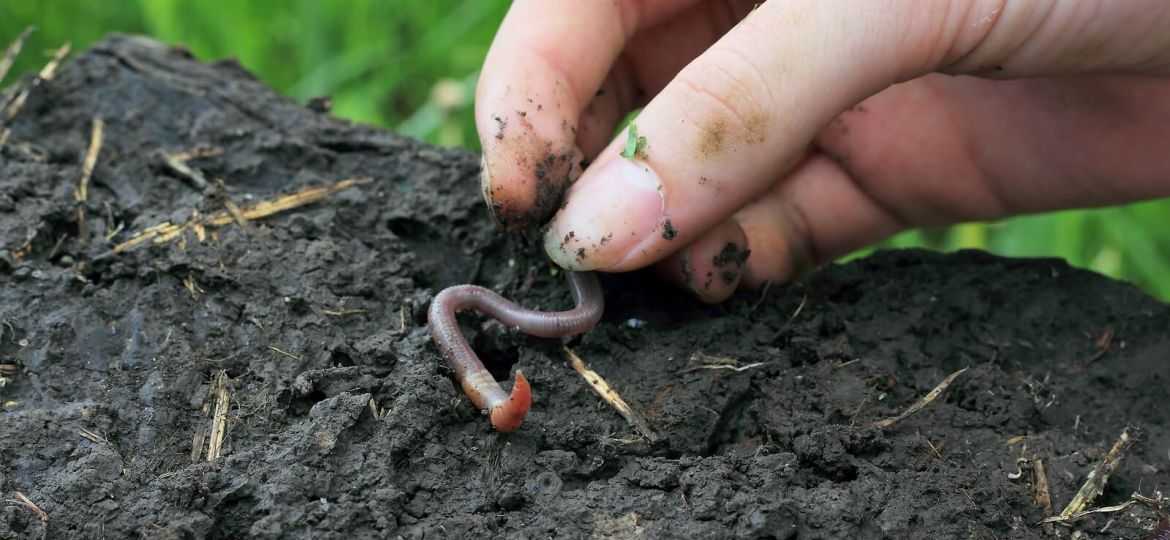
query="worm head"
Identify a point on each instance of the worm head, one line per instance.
(507, 416)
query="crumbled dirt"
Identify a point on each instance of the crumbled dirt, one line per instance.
(730, 261)
(318, 312)
(668, 230)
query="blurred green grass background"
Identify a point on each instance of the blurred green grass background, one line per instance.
(411, 67)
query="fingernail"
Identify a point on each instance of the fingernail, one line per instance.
(609, 212)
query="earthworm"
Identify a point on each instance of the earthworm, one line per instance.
(507, 411)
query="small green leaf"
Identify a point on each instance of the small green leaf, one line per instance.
(632, 141)
(635, 145)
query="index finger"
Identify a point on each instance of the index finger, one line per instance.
(547, 62)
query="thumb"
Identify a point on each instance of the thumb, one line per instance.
(738, 117)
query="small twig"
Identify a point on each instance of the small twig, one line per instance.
(56, 247)
(860, 406)
(1099, 476)
(933, 448)
(847, 363)
(50, 70)
(795, 314)
(219, 416)
(192, 286)
(219, 191)
(1103, 344)
(725, 366)
(1078, 515)
(167, 231)
(94, 437)
(1041, 494)
(763, 295)
(713, 412)
(177, 164)
(200, 435)
(27, 503)
(197, 444)
(46, 74)
(198, 153)
(237, 214)
(284, 352)
(81, 193)
(114, 231)
(609, 395)
(707, 361)
(923, 402)
(12, 52)
(1153, 503)
(96, 136)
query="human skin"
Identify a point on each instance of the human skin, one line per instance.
(804, 129)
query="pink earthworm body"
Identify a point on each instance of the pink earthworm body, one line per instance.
(507, 411)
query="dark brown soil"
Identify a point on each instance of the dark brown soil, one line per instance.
(318, 311)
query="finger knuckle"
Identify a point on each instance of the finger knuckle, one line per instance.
(729, 98)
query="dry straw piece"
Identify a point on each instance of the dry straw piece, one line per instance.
(167, 231)
(1095, 483)
(923, 402)
(47, 73)
(609, 395)
(13, 50)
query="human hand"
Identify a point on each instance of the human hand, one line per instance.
(802, 130)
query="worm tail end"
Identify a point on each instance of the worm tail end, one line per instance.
(507, 416)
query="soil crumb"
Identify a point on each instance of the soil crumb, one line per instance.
(668, 230)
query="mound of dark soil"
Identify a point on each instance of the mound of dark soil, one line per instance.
(342, 420)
